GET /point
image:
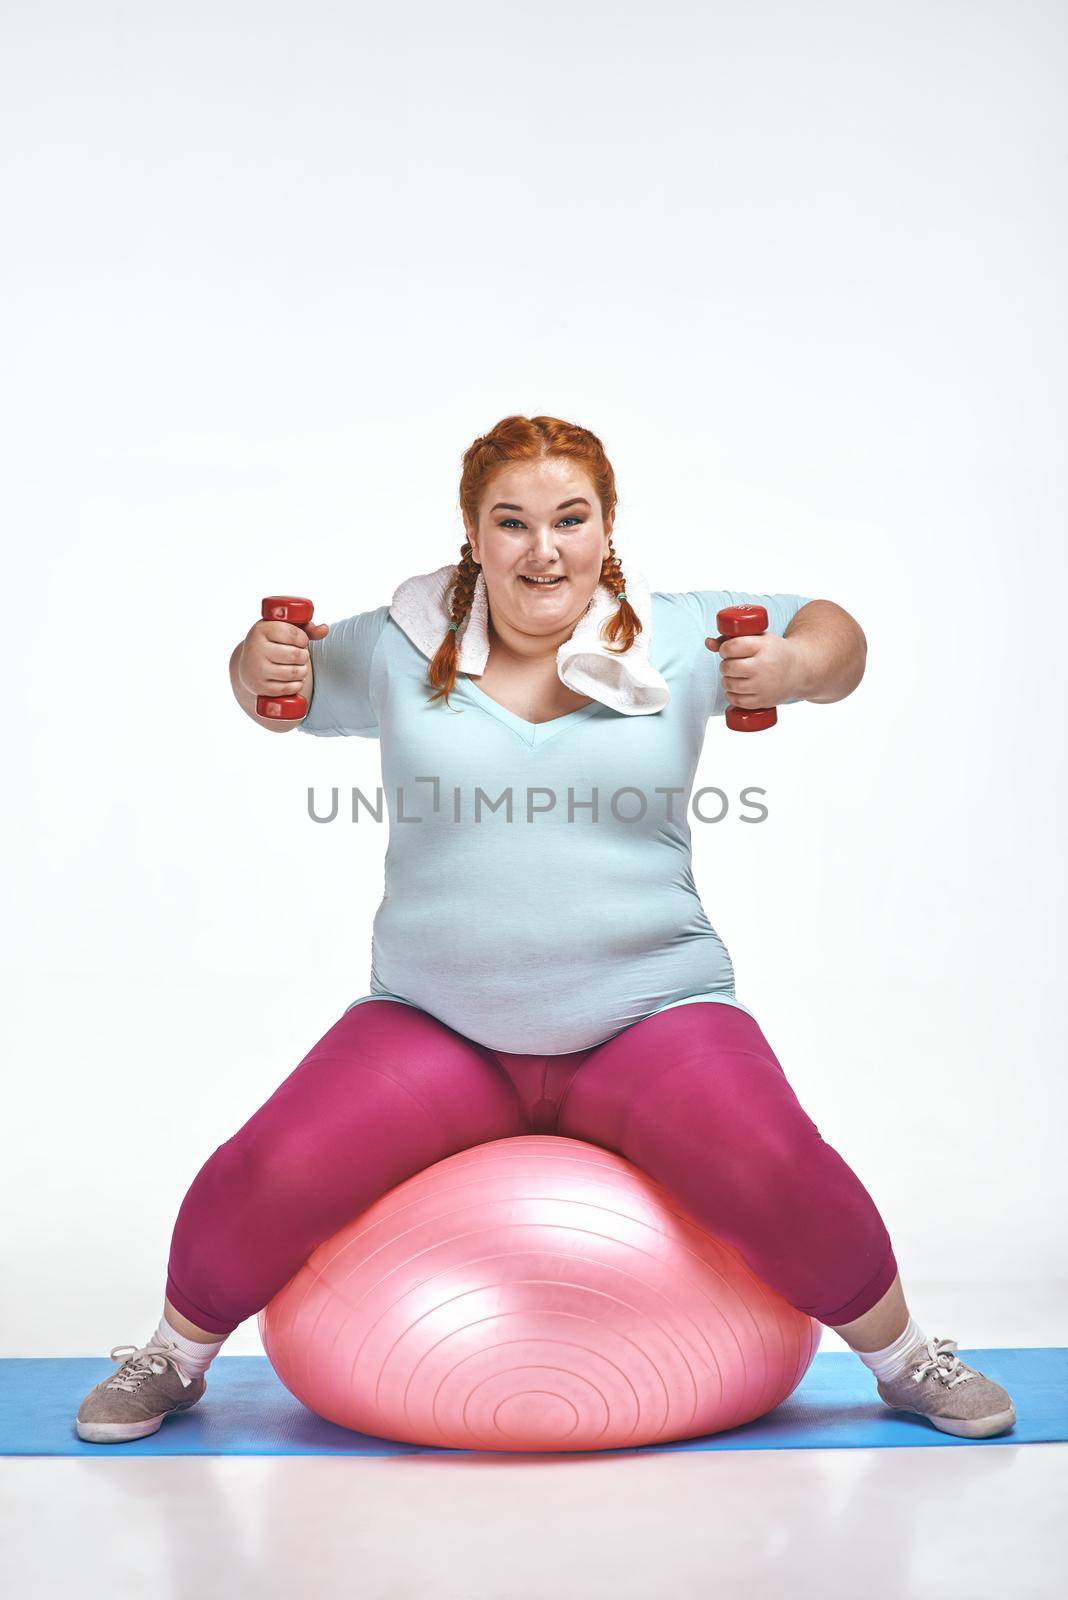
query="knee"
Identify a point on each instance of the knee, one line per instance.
(781, 1150)
(253, 1173)
(755, 1155)
(758, 1164)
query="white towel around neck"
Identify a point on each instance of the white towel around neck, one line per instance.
(627, 682)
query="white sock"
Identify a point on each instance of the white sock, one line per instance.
(194, 1358)
(891, 1362)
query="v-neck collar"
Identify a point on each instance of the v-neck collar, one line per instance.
(531, 733)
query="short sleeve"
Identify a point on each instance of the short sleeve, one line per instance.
(700, 606)
(342, 662)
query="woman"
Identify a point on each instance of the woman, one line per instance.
(541, 960)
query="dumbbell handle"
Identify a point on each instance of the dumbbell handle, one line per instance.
(738, 622)
(284, 608)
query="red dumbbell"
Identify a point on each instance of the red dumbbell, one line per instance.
(284, 608)
(737, 622)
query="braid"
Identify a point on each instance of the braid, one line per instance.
(625, 623)
(442, 670)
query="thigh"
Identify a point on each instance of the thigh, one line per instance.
(690, 1081)
(696, 1098)
(387, 1091)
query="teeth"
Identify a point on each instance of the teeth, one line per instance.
(546, 583)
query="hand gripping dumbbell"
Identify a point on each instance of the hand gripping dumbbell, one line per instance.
(737, 622)
(284, 608)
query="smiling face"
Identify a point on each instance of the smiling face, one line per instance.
(540, 520)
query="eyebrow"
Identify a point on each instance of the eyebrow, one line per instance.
(579, 500)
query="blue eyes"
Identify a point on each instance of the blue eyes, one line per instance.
(510, 521)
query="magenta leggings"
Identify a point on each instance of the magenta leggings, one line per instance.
(693, 1096)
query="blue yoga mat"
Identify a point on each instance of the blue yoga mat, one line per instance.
(247, 1412)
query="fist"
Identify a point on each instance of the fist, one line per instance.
(275, 659)
(758, 670)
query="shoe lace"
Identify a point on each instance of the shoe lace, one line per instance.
(943, 1364)
(140, 1361)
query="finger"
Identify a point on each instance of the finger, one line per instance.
(286, 653)
(712, 644)
(738, 649)
(273, 674)
(317, 630)
(283, 633)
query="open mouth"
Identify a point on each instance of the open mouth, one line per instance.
(541, 583)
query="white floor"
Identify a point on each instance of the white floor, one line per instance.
(882, 1524)
(825, 1523)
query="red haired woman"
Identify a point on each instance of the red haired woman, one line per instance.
(541, 960)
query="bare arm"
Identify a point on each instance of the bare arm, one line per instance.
(820, 657)
(830, 651)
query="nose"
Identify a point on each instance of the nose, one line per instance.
(543, 546)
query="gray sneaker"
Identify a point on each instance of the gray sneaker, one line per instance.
(134, 1401)
(949, 1394)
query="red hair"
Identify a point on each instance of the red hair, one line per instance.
(525, 439)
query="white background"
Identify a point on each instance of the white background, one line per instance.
(267, 270)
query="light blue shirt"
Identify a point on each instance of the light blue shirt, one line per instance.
(538, 927)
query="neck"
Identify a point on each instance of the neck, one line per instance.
(512, 645)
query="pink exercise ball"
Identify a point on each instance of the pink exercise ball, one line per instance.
(536, 1294)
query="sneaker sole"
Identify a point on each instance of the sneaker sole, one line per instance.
(965, 1427)
(120, 1432)
(977, 1427)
